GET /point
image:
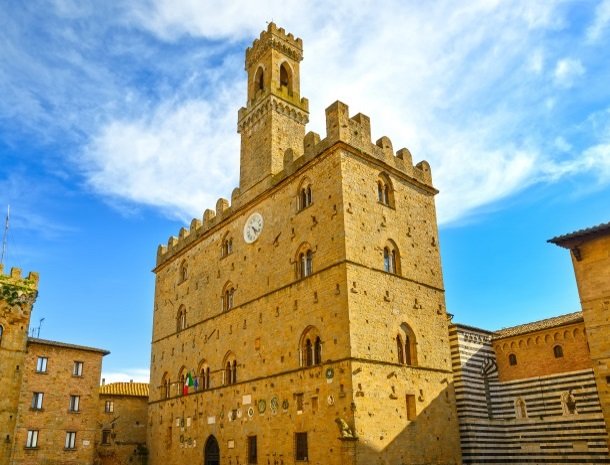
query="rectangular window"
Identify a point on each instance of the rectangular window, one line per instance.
(252, 452)
(74, 403)
(109, 406)
(41, 365)
(300, 440)
(411, 409)
(70, 440)
(299, 402)
(32, 439)
(37, 400)
(78, 369)
(106, 437)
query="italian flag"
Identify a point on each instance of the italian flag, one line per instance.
(188, 382)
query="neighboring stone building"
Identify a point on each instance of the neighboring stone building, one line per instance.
(58, 414)
(591, 260)
(305, 321)
(124, 414)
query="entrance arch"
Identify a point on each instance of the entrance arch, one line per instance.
(211, 452)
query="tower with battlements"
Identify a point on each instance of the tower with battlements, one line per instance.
(304, 320)
(17, 296)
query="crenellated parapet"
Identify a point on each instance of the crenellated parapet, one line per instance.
(354, 132)
(276, 38)
(16, 289)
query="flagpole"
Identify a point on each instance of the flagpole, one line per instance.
(5, 235)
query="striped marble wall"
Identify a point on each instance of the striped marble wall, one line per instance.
(555, 419)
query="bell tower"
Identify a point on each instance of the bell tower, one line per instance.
(275, 116)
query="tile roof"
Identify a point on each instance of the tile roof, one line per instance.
(125, 389)
(560, 320)
(567, 240)
(34, 340)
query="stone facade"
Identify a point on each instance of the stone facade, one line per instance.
(65, 418)
(123, 409)
(590, 251)
(17, 296)
(305, 320)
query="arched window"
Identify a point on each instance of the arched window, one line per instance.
(226, 246)
(259, 80)
(181, 319)
(317, 352)
(512, 359)
(304, 262)
(203, 381)
(310, 347)
(391, 258)
(183, 273)
(286, 77)
(1, 333)
(230, 369)
(400, 350)
(558, 351)
(304, 195)
(182, 382)
(227, 297)
(385, 192)
(165, 384)
(407, 351)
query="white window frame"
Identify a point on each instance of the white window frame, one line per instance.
(70, 440)
(109, 406)
(41, 364)
(78, 368)
(37, 399)
(74, 403)
(31, 441)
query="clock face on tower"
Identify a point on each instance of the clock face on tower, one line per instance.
(253, 227)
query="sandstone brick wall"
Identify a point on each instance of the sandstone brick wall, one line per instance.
(593, 279)
(52, 422)
(126, 426)
(535, 355)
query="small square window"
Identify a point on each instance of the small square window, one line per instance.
(32, 439)
(300, 440)
(109, 406)
(70, 440)
(41, 365)
(78, 369)
(37, 400)
(74, 403)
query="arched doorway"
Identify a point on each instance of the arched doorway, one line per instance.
(212, 452)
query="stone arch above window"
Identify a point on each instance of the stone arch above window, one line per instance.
(181, 318)
(183, 272)
(558, 351)
(310, 347)
(226, 246)
(182, 387)
(165, 386)
(512, 359)
(228, 294)
(304, 261)
(391, 258)
(406, 345)
(286, 77)
(385, 190)
(230, 369)
(304, 194)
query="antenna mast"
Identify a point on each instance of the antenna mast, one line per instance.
(5, 235)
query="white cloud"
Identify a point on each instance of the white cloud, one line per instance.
(601, 21)
(566, 72)
(137, 375)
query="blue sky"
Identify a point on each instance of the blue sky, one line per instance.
(118, 125)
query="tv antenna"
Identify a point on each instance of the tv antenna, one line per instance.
(5, 235)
